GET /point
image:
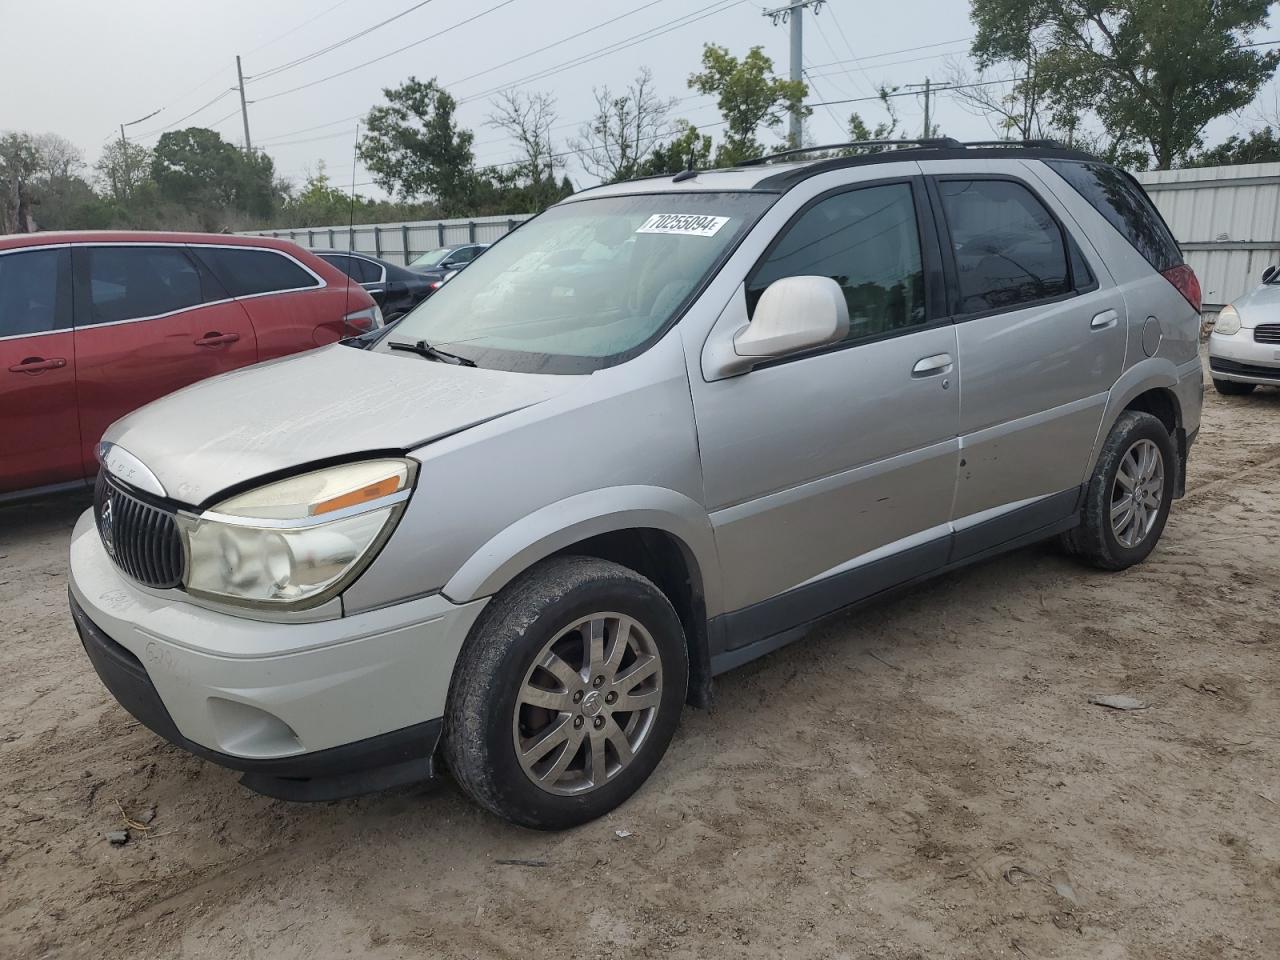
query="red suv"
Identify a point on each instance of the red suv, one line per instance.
(94, 325)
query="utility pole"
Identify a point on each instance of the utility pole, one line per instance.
(244, 107)
(927, 87)
(794, 14)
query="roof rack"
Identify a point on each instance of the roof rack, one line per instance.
(1043, 142)
(949, 142)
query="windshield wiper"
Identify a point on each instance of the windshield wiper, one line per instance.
(424, 349)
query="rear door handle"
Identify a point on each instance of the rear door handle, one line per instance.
(36, 364)
(217, 339)
(932, 366)
(1104, 320)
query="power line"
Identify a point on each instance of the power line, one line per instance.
(893, 53)
(292, 30)
(199, 109)
(849, 47)
(298, 61)
(367, 63)
(942, 88)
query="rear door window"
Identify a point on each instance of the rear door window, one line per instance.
(1126, 207)
(246, 271)
(34, 287)
(137, 282)
(1008, 249)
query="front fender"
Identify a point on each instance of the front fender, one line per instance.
(566, 522)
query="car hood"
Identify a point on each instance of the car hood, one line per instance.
(329, 403)
(1259, 305)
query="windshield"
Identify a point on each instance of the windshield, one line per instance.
(431, 257)
(585, 285)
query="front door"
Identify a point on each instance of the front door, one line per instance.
(149, 320)
(1041, 337)
(39, 431)
(831, 473)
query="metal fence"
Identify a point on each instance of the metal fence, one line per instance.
(1227, 220)
(398, 242)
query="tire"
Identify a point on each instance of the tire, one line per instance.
(1097, 540)
(1230, 388)
(532, 643)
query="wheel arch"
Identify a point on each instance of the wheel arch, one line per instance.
(659, 533)
(1148, 387)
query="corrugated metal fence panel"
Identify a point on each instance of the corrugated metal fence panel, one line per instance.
(398, 242)
(1227, 220)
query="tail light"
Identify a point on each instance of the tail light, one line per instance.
(362, 321)
(1185, 281)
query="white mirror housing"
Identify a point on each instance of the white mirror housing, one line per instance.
(794, 314)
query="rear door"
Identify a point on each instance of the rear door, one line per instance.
(1041, 338)
(149, 320)
(39, 429)
(292, 307)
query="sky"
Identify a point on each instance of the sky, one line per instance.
(79, 68)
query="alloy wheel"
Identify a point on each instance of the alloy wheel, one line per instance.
(1138, 493)
(588, 704)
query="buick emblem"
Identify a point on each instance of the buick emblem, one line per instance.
(104, 528)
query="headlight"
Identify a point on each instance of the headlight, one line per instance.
(296, 542)
(1228, 321)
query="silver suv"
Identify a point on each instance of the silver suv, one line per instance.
(649, 436)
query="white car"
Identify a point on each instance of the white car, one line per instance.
(1244, 347)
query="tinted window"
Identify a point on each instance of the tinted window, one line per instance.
(345, 264)
(866, 240)
(1126, 207)
(245, 271)
(365, 271)
(1008, 249)
(464, 255)
(129, 283)
(33, 293)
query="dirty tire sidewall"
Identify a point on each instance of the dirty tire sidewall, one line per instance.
(497, 655)
(1094, 540)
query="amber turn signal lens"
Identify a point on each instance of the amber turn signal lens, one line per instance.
(372, 491)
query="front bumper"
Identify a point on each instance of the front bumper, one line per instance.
(308, 711)
(1241, 359)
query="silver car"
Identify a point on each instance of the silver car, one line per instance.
(1244, 345)
(651, 435)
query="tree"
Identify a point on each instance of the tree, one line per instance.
(625, 130)
(123, 168)
(196, 169)
(885, 130)
(1153, 71)
(688, 149)
(19, 163)
(415, 148)
(1260, 146)
(751, 98)
(528, 118)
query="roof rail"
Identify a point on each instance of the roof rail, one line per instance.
(925, 142)
(1043, 142)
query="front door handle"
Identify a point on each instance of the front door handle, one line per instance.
(1104, 320)
(217, 339)
(932, 366)
(36, 364)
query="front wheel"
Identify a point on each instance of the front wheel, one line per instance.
(1231, 388)
(1127, 499)
(566, 694)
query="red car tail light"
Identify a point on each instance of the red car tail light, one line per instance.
(1186, 282)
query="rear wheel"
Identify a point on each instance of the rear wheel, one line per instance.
(567, 693)
(1127, 499)
(1231, 388)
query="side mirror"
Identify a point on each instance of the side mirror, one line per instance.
(794, 314)
(1268, 274)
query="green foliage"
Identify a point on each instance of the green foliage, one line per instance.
(751, 98)
(415, 149)
(1260, 146)
(1154, 72)
(19, 164)
(123, 168)
(688, 148)
(197, 170)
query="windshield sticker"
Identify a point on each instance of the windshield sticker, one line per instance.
(683, 224)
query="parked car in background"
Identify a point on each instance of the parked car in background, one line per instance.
(805, 384)
(439, 263)
(395, 289)
(94, 325)
(1244, 344)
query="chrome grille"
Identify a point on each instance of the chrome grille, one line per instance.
(141, 538)
(1267, 333)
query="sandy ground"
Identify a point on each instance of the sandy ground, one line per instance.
(925, 779)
